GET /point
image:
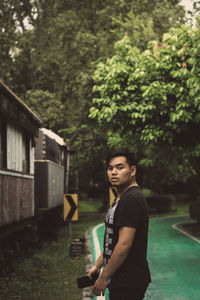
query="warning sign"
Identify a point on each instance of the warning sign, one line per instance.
(112, 194)
(70, 207)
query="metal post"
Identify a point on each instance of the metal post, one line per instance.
(67, 169)
(67, 173)
(67, 186)
(70, 229)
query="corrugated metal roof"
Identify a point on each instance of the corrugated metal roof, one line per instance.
(54, 136)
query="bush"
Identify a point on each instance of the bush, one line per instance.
(195, 210)
(160, 203)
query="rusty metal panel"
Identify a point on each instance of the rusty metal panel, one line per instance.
(55, 185)
(16, 198)
(40, 183)
(49, 184)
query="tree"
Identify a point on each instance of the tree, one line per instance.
(147, 21)
(49, 109)
(51, 48)
(10, 18)
(153, 98)
(152, 88)
(56, 51)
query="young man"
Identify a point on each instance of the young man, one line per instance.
(126, 272)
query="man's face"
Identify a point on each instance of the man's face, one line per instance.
(119, 172)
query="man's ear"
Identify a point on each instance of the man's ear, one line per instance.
(133, 170)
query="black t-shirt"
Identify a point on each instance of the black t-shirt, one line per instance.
(130, 210)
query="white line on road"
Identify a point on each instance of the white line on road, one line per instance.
(175, 226)
(97, 249)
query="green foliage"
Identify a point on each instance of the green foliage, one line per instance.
(56, 51)
(49, 109)
(155, 92)
(148, 21)
(49, 52)
(150, 101)
(140, 28)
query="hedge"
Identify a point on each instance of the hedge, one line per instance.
(160, 203)
(195, 210)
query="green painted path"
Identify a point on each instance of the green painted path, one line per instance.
(174, 260)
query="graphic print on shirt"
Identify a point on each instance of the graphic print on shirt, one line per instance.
(108, 238)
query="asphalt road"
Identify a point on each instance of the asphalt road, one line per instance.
(174, 259)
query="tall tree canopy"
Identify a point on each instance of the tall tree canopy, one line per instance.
(52, 45)
(152, 100)
(154, 93)
(49, 49)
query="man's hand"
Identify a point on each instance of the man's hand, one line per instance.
(100, 286)
(97, 266)
(93, 270)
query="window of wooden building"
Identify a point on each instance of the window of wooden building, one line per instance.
(18, 149)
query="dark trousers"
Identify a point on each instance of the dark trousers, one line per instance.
(127, 293)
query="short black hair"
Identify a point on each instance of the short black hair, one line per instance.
(130, 156)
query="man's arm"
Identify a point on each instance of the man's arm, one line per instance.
(97, 265)
(121, 251)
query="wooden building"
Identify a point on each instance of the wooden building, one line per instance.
(18, 130)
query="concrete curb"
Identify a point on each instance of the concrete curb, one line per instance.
(87, 292)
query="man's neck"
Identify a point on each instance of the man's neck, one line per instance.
(122, 189)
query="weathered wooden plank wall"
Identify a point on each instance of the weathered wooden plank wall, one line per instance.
(16, 198)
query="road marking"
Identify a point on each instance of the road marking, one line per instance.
(97, 249)
(175, 226)
(96, 240)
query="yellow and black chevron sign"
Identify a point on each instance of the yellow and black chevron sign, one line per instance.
(112, 194)
(70, 207)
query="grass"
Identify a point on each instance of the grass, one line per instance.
(49, 273)
(89, 206)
